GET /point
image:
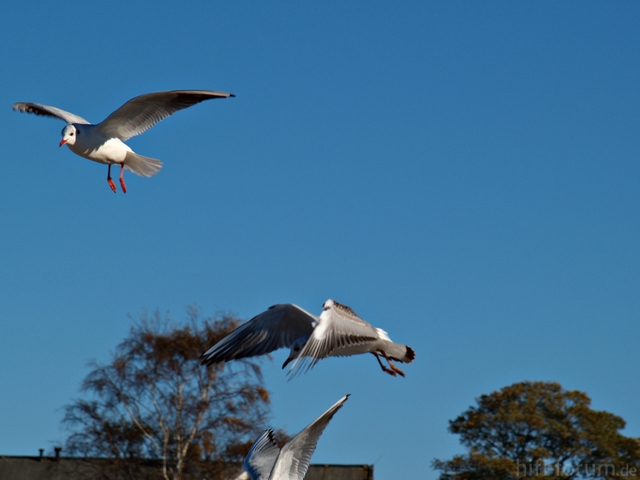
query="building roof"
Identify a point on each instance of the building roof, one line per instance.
(71, 468)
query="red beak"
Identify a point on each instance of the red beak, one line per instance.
(286, 362)
(62, 142)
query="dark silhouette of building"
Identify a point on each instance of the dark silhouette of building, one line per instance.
(58, 467)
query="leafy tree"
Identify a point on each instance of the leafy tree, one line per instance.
(536, 429)
(153, 404)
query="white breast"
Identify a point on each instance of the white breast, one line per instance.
(98, 148)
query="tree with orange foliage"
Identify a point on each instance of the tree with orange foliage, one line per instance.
(153, 411)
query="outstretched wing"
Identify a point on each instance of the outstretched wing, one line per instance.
(275, 328)
(295, 456)
(47, 111)
(261, 456)
(141, 113)
(338, 327)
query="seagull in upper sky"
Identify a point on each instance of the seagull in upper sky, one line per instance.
(104, 142)
(339, 331)
(265, 461)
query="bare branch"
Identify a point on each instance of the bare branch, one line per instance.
(154, 400)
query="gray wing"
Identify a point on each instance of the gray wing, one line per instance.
(295, 456)
(141, 113)
(278, 327)
(261, 456)
(338, 327)
(47, 111)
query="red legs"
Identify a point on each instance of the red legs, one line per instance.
(393, 370)
(124, 187)
(111, 184)
(384, 369)
(393, 367)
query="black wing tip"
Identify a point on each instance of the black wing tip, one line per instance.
(211, 94)
(410, 355)
(208, 360)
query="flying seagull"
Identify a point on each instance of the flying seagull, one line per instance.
(265, 461)
(104, 142)
(339, 331)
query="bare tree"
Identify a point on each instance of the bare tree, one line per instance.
(154, 404)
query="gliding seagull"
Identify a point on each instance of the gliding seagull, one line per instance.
(265, 461)
(104, 142)
(339, 331)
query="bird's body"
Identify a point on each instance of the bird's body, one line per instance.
(92, 145)
(265, 461)
(104, 142)
(338, 331)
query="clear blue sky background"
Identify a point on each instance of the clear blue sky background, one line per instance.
(462, 174)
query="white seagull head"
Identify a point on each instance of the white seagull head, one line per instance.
(69, 134)
(295, 350)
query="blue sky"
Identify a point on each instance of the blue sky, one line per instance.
(463, 175)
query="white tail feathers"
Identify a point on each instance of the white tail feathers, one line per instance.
(401, 353)
(143, 166)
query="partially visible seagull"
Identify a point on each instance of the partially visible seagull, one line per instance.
(104, 142)
(265, 461)
(339, 331)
